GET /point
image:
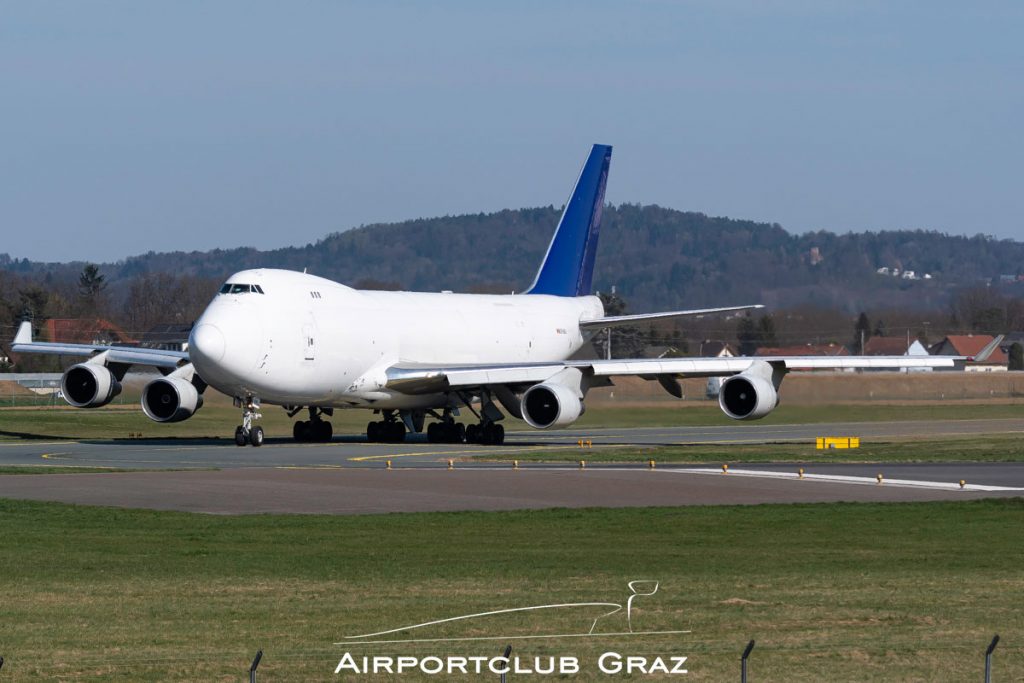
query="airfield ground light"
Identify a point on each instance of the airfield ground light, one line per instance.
(743, 661)
(255, 665)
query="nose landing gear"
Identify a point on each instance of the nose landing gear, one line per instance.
(246, 432)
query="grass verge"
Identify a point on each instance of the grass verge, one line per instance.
(981, 448)
(830, 592)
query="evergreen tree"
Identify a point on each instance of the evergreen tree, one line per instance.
(747, 336)
(1016, 357)
(91, 286)
(766, 331)
(861, 332)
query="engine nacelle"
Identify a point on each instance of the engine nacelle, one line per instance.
(89, 385)
(170, 399)
(747, 397)
(551, 405)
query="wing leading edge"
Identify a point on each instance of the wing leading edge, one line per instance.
(126, 355)
(414, 379)
(617, 320)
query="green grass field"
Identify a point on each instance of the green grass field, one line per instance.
(831, 592)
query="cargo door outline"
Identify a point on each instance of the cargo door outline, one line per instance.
(309, 341)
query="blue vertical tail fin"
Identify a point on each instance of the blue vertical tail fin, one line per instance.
(568, 266)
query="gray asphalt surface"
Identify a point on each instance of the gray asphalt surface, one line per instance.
(349, 476)
(367, 491)
(355, 452)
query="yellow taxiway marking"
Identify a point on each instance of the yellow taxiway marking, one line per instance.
(55, 456)
(489, 451)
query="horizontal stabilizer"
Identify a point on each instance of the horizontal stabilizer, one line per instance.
(617, 320)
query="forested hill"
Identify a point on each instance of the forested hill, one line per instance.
(657, 258)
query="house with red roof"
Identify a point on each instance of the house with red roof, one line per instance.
(86, 331)
(983, 350)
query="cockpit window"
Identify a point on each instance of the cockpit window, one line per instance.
(232, 288)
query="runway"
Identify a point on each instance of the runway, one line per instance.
(349, 451)
(349, 476)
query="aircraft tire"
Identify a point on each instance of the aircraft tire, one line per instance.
(241, 438)
(433, 432)
(396, 431)
(499, 435)
(256, 436)
(459, 433)
(322, 431)
(487, 436)
(300, 431)
(474, 434)
(373, 432)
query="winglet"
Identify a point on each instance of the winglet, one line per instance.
(568, 266)
(24, 335)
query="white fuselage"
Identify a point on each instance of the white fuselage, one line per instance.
(306, 341)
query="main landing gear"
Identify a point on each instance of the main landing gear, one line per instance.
(389, 430)
(315, 429)
(246, 432)
(446, 430)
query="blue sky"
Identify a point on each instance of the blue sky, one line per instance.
(130, 127)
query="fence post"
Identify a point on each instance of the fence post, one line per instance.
(508, 651)
(988, 658)
(255, 663)
(743, 661)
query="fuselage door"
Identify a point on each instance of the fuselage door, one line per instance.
(309, 340)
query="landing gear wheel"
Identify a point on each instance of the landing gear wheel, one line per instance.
(373, 432)
(241, 438)
(300, 431)
(499, 435)
(322, 431)
(459, 433)
(474, 434)
(395, 431)
(487, 434)
(256, 436)
(434, 432)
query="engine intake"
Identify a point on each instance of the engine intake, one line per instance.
(89, 385)
(170, 399)
(747, 397)
(551, 405)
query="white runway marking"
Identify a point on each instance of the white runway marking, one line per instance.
(842, 479)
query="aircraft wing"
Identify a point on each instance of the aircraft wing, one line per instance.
(126, 355)
(418, 379)
(617, 320)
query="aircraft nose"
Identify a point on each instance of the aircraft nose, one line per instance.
(208, 341)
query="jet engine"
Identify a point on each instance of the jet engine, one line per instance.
(747, 396)
(551, 405)
(89, 385)
(170, 399)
